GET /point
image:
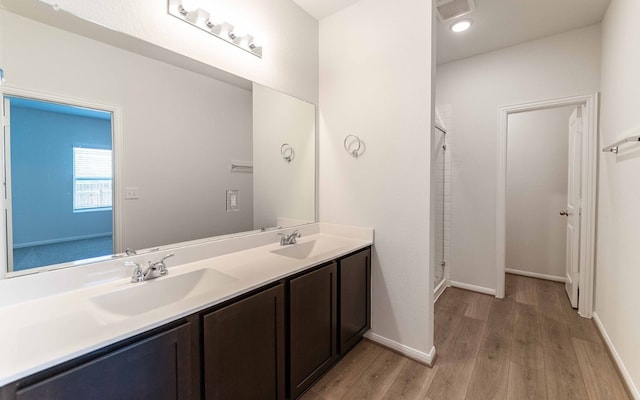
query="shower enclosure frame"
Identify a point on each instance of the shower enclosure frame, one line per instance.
(440, 212)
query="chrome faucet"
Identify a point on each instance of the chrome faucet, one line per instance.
(154, 270)
(289, 239)
(136, 276)
(130, 252)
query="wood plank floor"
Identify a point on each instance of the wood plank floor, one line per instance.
(530, 345)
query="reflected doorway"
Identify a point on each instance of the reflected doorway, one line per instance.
(58, 183)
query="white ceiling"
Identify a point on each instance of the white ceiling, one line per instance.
(503, 23)
(323, 8)
(496, 23)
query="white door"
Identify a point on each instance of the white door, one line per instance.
(572, 213)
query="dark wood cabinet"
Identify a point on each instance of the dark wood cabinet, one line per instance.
(244, 348)
(271, 344)
(158, 367)
(354, 284)
(312, 326)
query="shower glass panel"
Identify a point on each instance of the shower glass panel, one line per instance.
(441, 203)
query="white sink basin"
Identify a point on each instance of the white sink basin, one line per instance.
(155, 293)
(303, 251)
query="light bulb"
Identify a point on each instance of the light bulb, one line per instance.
(461, 26)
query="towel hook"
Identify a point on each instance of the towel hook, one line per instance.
(349, 145)
(288, 154)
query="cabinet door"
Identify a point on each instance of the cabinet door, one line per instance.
(312, 324)
(156, 368)
(244, 348)
(355, 298)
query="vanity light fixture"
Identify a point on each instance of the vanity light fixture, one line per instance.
(221, 30)
(195, 17)
(201, 19)
(461, 25)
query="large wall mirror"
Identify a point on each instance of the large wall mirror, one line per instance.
(107, 149)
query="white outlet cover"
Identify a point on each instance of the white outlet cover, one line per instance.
(131, 193)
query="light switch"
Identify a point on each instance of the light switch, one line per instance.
(131, 193)
(232, 200)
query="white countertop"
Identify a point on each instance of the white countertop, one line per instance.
(45, 331)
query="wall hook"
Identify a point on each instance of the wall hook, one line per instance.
(353, 145)
(288, 154)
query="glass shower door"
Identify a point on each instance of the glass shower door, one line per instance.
(441, 203)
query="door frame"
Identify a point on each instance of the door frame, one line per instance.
(589, 185)
(7, 214)
(118, 157)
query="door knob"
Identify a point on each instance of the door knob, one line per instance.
(565, 213)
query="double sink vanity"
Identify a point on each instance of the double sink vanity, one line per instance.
(242, 318)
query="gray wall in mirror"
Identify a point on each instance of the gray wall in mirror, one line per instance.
(181, 131)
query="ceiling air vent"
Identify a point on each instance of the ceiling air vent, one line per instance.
(450, 9)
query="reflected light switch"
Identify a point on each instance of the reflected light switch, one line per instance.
(232, 200)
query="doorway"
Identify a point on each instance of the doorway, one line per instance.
(581, 252)
(59, 181)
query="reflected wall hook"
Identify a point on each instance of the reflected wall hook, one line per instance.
(353, 145)
(287, 152)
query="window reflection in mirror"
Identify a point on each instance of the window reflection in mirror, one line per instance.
(59, 178)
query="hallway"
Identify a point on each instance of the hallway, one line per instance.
(531, 345)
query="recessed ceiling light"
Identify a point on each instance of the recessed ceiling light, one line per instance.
(461, 26)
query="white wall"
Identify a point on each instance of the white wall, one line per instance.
(283, 191)
(537, 169)
(558, 66)
(181, 130)
(618, 254)
(375, 82)
(289, 36)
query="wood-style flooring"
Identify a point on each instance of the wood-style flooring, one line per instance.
(530, 345)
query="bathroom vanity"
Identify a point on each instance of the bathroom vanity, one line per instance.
(251, 336)
(238, 316)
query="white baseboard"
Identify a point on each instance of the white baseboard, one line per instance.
(421, 357)
(536, 275)
(440, 289)
(62, 240)
(473, 288)
(616, 357)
